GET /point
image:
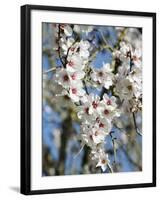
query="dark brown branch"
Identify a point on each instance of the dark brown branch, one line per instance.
(59, 48)
(85, 87)
(69, 49)
(85, 156)
(135, 124)
(113, 143)
(66, 131)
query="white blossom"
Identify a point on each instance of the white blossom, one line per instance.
(103, 162)
(74, 63)
(136, 57)
(76, 91)
(62, 78)
(103, 76)
(98, 113)
(66, 43)
(109, 100)
(102, 159)
(124, 89)
(85, 29)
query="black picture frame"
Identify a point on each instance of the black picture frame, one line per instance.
(26, 98)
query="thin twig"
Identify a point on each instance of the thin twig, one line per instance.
(110, 168)
(49, 70)
(82, 147)
(104, 39)
(135, 125)
(85, 87)
(113, 142)
(121, 37)
(107, 46)
(133, 114)
(98, 50)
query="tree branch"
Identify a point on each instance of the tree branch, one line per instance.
(113, 143)
(59, 53)
(135, 124)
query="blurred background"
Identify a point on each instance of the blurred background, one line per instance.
(62, 153)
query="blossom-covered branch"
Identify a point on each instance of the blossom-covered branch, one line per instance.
(119, 81)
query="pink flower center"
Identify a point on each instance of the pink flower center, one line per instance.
(74, 90)
(72, 49)
(73, 76)
(100, 74)
(129, 87)
(101, 125)
(65, 77)
(71, 63)
(106, 112)
(87, 110)
(103, 161)
(91, 137)
(109, 102)
(135, 58)
(94, 104)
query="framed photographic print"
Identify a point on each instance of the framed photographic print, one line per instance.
(88, 99)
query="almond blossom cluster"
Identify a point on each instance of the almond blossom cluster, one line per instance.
(97, 112)
(96, 123)
(70, 76)
(128, 79)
